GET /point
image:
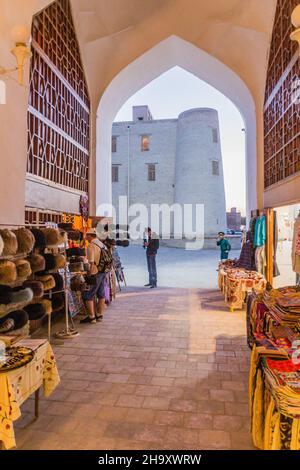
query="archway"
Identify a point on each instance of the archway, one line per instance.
(164, 56)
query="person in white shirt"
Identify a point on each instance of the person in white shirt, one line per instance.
(94, 250)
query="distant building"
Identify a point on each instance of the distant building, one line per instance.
(235, 219)
(171, 161)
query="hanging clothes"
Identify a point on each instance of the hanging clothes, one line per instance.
(276, 271)
(247, 257)
(296, 247)
(260, 259)
(252, 224)
(260, 235)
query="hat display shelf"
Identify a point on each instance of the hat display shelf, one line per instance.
(5, 309)
(69, 331)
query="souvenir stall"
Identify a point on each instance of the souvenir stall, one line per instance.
(274, 385)
(236, 283)
(251, 272)
(27, 257)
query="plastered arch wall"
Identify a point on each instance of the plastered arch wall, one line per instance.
(167, 54)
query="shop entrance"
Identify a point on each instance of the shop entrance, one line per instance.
(286, 218)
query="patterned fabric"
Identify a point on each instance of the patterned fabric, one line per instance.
(17, 385)
(247, 260)
(235, 283)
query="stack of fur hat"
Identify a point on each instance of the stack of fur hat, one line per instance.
(24, 261)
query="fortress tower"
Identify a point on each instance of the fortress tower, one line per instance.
(199, 175)
(169, 161)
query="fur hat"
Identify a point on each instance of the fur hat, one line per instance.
(8, 272)
(5, 295)
(25, 239)
(23, 268)
(76, 267)
(37, 263)
(58, 302)
(1, 245)
(60, 261)
(10, 242)
(35, 311)
(47, 304)
(54, 237)
(59, 282)
(6, 325)
(19, 317)
(47, 280)
(22, 296)
(75, 252)
(77, 283)
(40, 239)
(50, 262)
(36, 287)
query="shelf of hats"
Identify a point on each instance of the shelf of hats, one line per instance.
(31, 288)
(43, 272)
(273, 335)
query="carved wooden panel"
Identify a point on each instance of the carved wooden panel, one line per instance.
(59, 107)
(282, 100)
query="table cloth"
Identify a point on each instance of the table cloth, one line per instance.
(17, 385)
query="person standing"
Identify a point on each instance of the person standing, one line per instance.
(224, 245)
(94, 252)
(152, 246)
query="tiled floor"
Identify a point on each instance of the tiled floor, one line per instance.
(167, 369)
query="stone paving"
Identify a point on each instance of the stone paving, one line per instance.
(167, 369)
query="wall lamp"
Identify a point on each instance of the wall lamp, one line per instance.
(21, 51)
(295, 35)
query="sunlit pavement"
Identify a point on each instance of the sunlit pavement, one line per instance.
(176, 267)
(167, 369)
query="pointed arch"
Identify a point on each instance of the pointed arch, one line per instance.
(167, 54)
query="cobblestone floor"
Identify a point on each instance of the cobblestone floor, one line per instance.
(167, 369)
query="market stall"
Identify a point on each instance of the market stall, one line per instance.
(236, 283)
(274, 385)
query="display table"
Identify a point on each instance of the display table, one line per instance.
(274, 309)
(235, 283)
(17, 385)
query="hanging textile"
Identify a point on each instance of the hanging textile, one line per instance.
(296, 247)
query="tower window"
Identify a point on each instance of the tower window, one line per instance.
(114, 144)
(215, 136)
(145, 143)
(151, 172)
(215, 168)
(115, 173)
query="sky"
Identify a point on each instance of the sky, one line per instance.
(176, 91)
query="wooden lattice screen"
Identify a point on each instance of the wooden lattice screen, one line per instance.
(282, 101)
(59, 106)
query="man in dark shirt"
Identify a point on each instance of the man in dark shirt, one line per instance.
(152, 245)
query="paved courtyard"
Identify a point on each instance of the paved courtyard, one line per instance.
(176, 267)
(167, 369)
